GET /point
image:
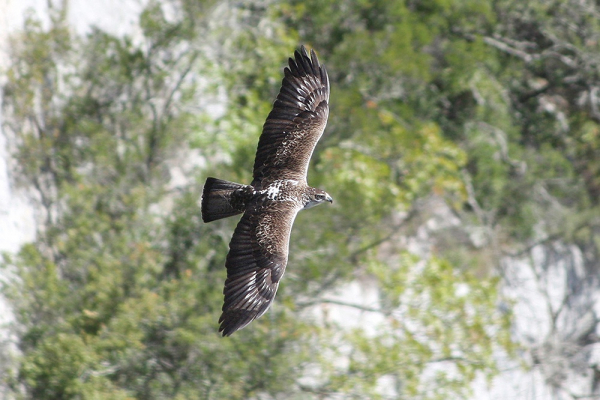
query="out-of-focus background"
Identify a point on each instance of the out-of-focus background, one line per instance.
(459, 260)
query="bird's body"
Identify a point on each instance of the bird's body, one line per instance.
(258, 250)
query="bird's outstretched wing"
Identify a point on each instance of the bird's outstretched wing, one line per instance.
(258, 254)
(296, 122)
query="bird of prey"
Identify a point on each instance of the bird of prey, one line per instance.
(258, 251)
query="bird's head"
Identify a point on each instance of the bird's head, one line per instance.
(315, 197)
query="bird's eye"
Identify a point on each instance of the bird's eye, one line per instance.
(320, 196)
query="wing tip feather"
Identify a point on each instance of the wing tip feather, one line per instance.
(306, 63)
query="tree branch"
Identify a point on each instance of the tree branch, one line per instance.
(500, 45)
(384, 239)
(342, 303)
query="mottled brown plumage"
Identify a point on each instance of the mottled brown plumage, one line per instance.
(258, 250)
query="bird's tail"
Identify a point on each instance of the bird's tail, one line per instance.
(222, 199)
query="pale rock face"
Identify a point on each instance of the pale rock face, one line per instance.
(17, 222)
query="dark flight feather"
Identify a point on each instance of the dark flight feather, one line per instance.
(255, 264)
(296, 122)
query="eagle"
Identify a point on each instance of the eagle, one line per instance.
(258, 251)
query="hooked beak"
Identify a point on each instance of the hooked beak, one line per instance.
(329, 199)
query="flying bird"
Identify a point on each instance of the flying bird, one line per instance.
(258, 251)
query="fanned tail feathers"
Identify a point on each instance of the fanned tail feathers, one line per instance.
(222, 199)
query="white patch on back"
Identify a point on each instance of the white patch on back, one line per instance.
(273, 190)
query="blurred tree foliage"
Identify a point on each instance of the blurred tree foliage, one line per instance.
(487, 106)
